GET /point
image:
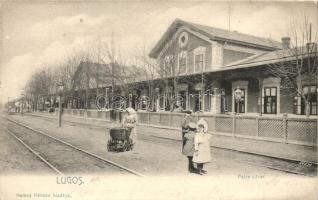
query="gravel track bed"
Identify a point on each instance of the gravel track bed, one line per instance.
(65, 158)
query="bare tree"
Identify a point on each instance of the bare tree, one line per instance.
(40, 85)
(117, 70)
(172, 65)
(81, 74)
(297, 64)
(148, 71)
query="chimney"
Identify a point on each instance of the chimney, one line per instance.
(286, 42)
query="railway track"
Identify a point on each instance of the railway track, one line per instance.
(62, 157)
(281, 164)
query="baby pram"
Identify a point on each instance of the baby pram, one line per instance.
(120, 140)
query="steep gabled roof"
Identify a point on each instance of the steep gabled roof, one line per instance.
(216, 34)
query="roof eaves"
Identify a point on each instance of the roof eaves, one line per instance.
(246, 59)
(154, 51)
(261, 62)
(200, 35)
(196, 27)
(267, 47)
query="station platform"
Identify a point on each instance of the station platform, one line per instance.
(294, 152)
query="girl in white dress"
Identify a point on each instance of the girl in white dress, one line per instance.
(202, 151)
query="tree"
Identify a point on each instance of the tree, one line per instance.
(117, 71)
(81, 73)
(172, 64)
(296, 65)
(40, 85)
(148, 70)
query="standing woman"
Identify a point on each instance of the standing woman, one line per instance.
(130, 121)
(202, 151)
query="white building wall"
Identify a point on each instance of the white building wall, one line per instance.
(217, 55)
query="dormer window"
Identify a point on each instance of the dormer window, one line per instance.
(199, 59)
(182, 62)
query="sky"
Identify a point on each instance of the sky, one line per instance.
(45, 33)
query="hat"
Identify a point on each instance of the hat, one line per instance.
(130, 110)
(192, 125)
(203, 123)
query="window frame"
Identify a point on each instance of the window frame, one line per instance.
(240, 104)
(299, 106)
(200, 61)
(271, 96)
(185, 56)
(197, 100)
(167, 64)
(196, 52)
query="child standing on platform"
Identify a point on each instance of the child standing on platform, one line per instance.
(188, 148)
(202, 151)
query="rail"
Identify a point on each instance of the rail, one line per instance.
(77, 148)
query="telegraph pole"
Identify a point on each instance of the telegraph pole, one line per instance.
(316, 53)
(229, 16)
(113, 60)
(22, 105)
(60, 92)
(98, 63)
(0, 97)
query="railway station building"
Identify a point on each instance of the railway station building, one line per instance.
(214, 71)
(222, 76)
(220, 71)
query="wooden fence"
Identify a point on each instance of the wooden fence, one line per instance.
(278, 129)
(93, 114)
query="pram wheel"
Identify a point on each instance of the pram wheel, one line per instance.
(126, 147)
